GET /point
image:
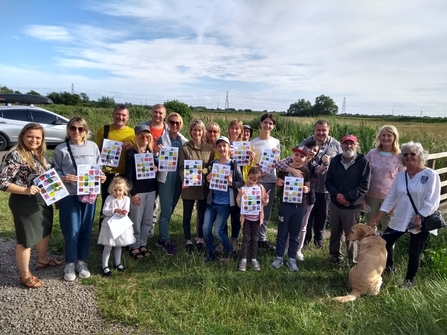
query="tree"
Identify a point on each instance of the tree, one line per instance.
(106, 102)
(324, 105)
(179, 107)
(33, 92)
(300, 108)
(84, 97)
(4, 89)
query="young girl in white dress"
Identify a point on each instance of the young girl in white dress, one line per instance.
(116, 203)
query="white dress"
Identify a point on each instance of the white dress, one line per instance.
(105, 235)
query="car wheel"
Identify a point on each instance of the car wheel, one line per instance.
(3, 142)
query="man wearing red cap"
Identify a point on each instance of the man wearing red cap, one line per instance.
(347, 181)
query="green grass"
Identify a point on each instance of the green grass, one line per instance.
(182, 295)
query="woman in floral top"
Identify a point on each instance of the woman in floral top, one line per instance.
(33, 219)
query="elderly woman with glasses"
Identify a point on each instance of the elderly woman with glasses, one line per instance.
(76, 217)
(169, 183)
(424, 186)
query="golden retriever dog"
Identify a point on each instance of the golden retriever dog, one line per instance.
(366, 276)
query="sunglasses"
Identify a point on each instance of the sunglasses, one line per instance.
(79, 129)
(412, 154)
(174, 123)
(212, 131)
(142, 136)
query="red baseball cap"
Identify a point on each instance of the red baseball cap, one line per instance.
(349, 137)
(302, 150)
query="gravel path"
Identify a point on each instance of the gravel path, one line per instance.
(59, 307)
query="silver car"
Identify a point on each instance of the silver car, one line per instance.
(14, 118)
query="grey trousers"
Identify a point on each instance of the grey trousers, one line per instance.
(141, 216)
(341, 222)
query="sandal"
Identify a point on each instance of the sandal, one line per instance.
(51, 263)
(120, 267)
(31, 282)
(135, 254)
(106, 272)
(144, 251)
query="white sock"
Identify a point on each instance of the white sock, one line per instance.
(106, 255)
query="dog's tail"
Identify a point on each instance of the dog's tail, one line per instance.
(350, 297)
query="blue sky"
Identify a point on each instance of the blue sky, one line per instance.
(382, 56)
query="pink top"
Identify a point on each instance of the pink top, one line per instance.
(383, 171)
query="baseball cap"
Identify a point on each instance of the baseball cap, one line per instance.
(349, 137)
(302, 150)
(222, 138)
(142, 127)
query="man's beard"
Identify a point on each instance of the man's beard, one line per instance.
(348, 153)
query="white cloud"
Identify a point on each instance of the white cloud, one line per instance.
(49, 33)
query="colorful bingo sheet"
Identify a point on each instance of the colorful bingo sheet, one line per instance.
(218, 181)
(51, 187)
(192, 173)
(240, 153)
(251, 201)
(111, 152)
(268, 160)
(168, 158)
(89, 179)
(144, 166)
(293, 190)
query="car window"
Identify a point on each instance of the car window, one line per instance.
(15, 114)
(43, 117)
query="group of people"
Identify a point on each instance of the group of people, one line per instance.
(338, 182)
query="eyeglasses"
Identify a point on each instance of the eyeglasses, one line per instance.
(412, 154)
(142, 136)
(174, 123)
(79, 129)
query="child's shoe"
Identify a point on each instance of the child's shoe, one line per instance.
(255, 265)
(299, 256)
(243, 265)
(291, 264)
(106, 272)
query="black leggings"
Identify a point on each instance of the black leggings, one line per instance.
(188, 206)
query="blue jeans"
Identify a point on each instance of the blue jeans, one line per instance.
(216, 215)
(76, 220)
(169, 193)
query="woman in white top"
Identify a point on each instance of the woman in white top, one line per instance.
(259, 144)
(424, 186)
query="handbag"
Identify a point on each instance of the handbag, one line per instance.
(431, 222)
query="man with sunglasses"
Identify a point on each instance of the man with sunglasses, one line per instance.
(117, 131)
(347, 181)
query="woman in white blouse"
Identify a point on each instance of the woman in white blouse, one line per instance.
(424, 186)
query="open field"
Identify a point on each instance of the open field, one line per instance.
(182, 295)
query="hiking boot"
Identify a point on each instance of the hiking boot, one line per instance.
(82, 270)
(291, 264)
(69, 272)
(243, 265)
(277, 263)
(255, 265)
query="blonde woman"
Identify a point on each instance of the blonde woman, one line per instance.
(196, 149)
(212, 134)
(385, 165)
(33, 219)
(75, 217)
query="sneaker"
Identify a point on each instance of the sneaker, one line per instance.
(243, 265)
(255, 265)
(336, 260)
(299, 256)
(169, 249)
(408, 284)
(69, 272)
(390, 269)
(277, 263)
(209, 258)
(200, 247)
(266, 245)
(189, 248)
(291, 264)
(160, 243)
(82, 270)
